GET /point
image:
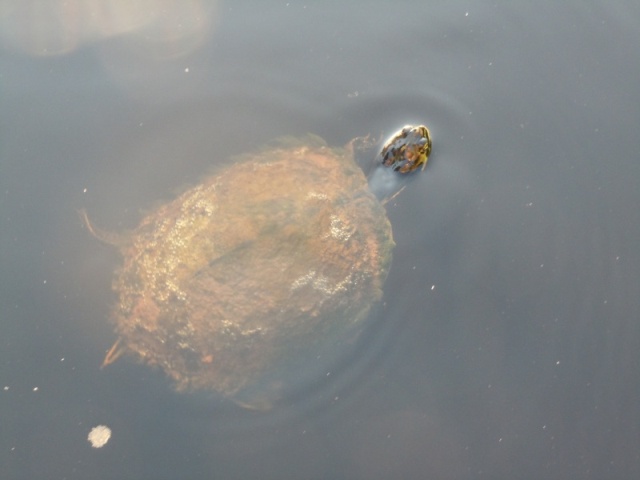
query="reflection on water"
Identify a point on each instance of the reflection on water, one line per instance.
(161, 29)
(507, 340)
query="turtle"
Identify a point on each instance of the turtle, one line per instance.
(265, 263)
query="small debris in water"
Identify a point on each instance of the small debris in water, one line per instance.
(99, 436)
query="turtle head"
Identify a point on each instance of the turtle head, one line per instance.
(404, 152)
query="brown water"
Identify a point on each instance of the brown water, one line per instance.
(507, 343)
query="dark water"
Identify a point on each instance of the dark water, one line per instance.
(507, 346)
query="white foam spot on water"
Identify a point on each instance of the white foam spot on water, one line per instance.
(99, 436)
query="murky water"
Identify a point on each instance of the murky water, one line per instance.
(506, 346)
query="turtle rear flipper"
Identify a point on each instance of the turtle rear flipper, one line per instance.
(120, 240)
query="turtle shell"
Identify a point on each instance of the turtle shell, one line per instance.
(246, 273)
